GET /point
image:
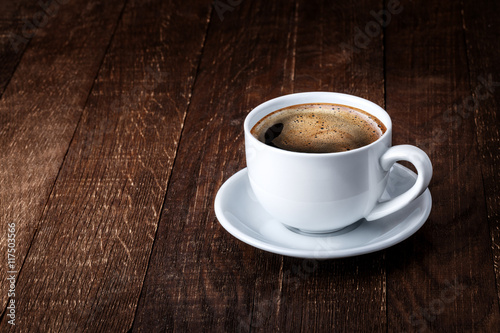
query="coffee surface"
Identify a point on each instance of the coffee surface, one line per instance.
(318, 128)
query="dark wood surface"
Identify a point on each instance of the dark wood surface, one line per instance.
(120, 120)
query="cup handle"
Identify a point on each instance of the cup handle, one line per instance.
(422, 163)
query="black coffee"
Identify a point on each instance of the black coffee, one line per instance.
(318, 128)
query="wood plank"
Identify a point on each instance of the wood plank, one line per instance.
(91, 250)
(445, 270)
(333, 295)
(482, 27)
(39, 112)
(200, 277)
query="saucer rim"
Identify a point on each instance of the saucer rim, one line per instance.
(411, 229)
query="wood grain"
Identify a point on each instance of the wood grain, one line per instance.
(482, 26)
(440, 279)
(120, 120)
(199, 275)
(39, 111)
(88, 259)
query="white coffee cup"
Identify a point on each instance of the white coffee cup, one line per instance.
(324, 192)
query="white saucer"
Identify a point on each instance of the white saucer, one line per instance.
(242, 216)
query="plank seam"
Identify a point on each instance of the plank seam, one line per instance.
(384, 87)
(15, 69)
(384, 59)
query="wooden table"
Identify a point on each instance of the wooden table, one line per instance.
(120, 120)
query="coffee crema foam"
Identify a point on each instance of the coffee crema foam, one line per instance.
(318, 128)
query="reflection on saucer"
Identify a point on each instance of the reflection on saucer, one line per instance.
(333, 233)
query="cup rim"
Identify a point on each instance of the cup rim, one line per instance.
(387, 122)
